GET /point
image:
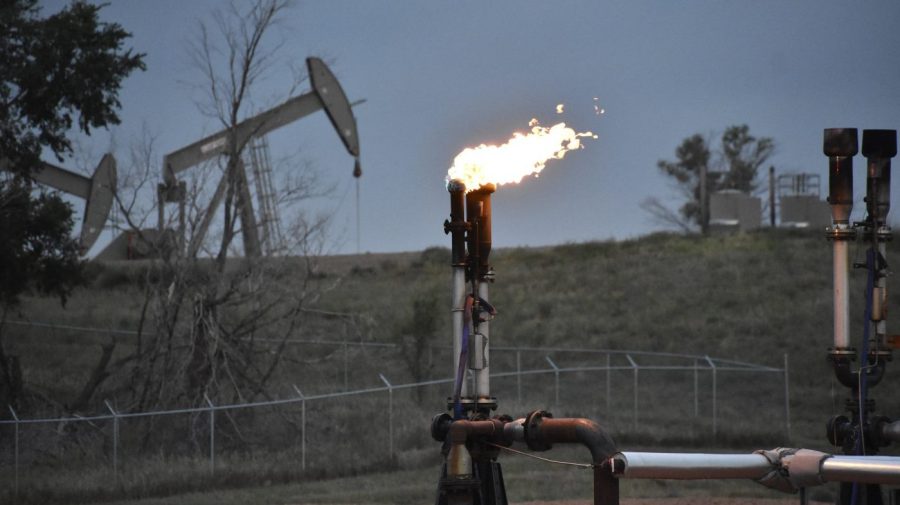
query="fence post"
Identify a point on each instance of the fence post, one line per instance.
(346, 361)
(787, 399)
(16, 457)
(390, 415)
(556, 382)
(212, 434)
(115, 439)
(519, 376)
(634, 407)
(696, 392)
(608, 385)
(715, 427)
(302, 428)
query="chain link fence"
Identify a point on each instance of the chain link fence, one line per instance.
(636, 395)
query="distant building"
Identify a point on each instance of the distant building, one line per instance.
(732, 210)
(799, 202)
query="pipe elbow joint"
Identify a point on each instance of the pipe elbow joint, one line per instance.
(541, 431)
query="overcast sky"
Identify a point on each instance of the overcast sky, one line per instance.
(440, 76)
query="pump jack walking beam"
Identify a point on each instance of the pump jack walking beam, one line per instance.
(326, 94)
(97, 191)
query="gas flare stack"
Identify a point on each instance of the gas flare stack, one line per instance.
(862, 432)
(472, 439)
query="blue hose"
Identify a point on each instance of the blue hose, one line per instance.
(859, 447)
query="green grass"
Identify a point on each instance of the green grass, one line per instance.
(748, 297)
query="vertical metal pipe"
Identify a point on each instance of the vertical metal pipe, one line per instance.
(787, 398)
(841, 294)
(483, 375)
(456, 226)
(478, 214)
(840, 145)
(458, 295)
(879, 146)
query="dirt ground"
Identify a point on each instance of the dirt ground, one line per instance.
(685, 501)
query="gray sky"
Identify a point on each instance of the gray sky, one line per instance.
(441, 76)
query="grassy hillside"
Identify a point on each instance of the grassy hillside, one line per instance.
(749, 297)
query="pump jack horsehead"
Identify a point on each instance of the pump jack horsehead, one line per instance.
(472, 438)
(326, 94)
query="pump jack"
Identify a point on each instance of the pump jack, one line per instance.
(96, 191)
(326, 94)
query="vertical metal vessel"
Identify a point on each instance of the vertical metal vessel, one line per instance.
(456, 226)
(879, 146)
(840, 145)
(478, 214)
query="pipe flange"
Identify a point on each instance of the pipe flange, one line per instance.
(486, 404)
(882, 234)
(840, 233)
(468, 404)
(881, 355)
(841, 359)
(838, 429)
(533, 438)
(842, 353)
(875, 433)
(440, 426)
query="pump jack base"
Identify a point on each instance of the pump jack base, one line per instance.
(485, 487)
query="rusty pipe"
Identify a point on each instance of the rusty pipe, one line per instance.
(478, 209)
(539, 430)
(878, 146)
(456, 225)
(459, 460)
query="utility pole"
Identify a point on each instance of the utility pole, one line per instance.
(704, 200)
(772, 196)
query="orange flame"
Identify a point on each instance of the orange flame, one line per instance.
(524, 154)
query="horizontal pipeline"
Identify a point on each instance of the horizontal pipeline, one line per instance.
(697, 466)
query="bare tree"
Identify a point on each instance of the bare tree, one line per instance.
(700, 169)
(213, 324)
